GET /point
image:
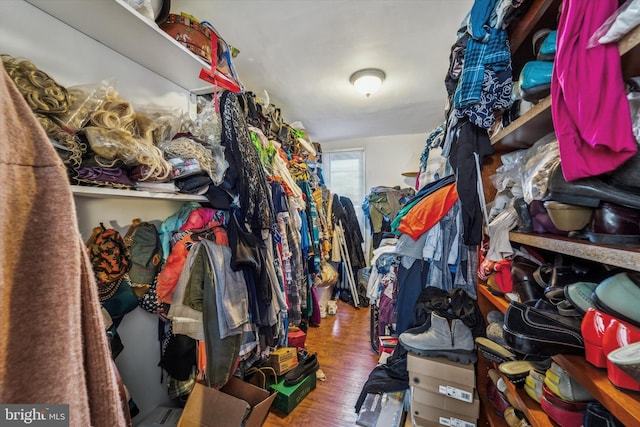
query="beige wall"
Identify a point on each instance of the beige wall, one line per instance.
(386, 157)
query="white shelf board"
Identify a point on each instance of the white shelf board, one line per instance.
(110, 193)
(116, 25)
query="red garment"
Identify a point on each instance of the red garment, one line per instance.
(198, 219)
(590, 111)
(428, 211)
(170, 273)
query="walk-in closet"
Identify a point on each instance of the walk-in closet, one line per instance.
(332, 213)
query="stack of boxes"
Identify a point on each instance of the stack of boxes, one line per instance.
(287, 398)
(442, 392)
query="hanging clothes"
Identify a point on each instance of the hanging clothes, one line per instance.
(48, 302)
(246, 177)
(590, 111)
(471, 140)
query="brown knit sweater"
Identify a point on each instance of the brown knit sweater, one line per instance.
(53, 347)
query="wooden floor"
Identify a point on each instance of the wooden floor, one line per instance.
(346, 358)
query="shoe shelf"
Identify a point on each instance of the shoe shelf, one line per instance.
(118, 26)
(531, 409)
(110, 193)
(540, 14)
(624, 405)
(618, 256)
(494, 302)
(526, 129)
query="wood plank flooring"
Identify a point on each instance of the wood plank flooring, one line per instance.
(346, 358)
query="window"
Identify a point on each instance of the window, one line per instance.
(343, 173)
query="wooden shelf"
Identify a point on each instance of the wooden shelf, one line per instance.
(531, 20)
(625, 406)
(630, 41)
(118, 26)
(629, 47)
(496, 302)
(103, 193)
(490, 414)
(532, 409)
(618, 256)
(526, 129)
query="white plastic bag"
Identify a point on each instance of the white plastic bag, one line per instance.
(626, 18)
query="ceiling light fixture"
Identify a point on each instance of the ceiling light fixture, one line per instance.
(367, 81)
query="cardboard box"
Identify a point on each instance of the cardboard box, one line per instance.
(162, 416)
(234, 403)
(370, 410)
(421, 398)
(437, 417)
(438, 385)
(288, 397)
(442, 368)
(283, 359)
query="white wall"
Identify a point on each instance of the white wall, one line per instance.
(385, 157)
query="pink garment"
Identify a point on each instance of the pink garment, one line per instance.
(590, 111)
(199, 218)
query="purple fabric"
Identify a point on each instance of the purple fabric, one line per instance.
(315, 318)
(385, 314)
(590, 112)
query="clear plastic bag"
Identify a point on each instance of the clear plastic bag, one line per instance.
(509, 174)
(537, 165)
(626, 18)
(157, 124)
(207, 125)
(85, 100)
(143, 7)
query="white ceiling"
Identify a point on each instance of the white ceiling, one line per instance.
(302, 52)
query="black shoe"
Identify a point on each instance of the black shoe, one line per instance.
(535, 331)
(590, 191)
(305, 367)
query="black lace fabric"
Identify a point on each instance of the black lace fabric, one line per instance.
(249, 182)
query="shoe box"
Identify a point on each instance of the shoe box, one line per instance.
(288, 397)
(422, 399)
(283, 359)
(296, 338)
(383, 409)
(237, 403)
(436, 417)
(387, 344)
(442, 392)
(162, 416)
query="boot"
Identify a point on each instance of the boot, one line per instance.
(453, 341)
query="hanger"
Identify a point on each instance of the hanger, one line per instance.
(94, 234)
(128, 238)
